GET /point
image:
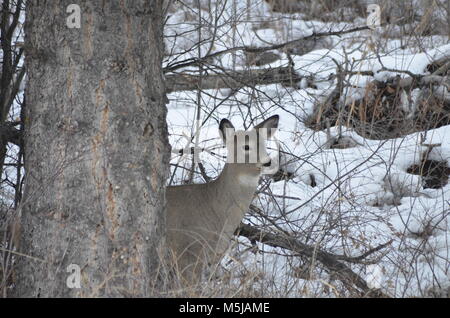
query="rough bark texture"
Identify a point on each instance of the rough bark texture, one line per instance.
(96, 149)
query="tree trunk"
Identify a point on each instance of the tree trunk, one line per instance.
(96, 150)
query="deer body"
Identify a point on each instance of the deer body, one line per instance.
(202, 218)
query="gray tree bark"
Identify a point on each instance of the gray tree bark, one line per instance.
(96, 150)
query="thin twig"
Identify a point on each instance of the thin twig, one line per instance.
(330, 261)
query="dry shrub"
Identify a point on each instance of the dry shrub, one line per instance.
(385, 111)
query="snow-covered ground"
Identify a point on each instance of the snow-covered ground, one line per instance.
(345, 201)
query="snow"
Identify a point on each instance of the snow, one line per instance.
(345, 201)
(363, 196)
(359, 183)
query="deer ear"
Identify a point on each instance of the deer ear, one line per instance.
(225, 128)
(271, 124)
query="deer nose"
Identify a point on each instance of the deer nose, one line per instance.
(267, 164)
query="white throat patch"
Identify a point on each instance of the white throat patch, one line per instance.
(248, 180)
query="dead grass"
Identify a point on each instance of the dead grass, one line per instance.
(382, 113)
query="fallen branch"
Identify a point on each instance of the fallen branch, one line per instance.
(344, 273)
(233, 80)
(439, 66)
(421, 81)
(359, 259)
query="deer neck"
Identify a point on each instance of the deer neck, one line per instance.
(235, 188)
(241, 177)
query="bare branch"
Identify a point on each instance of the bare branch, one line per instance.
(195, 61)
(330, 261)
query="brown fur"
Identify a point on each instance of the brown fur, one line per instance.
(202, 218)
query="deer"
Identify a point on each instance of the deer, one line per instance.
(202, 218)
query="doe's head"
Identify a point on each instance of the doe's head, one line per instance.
(249, 147)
